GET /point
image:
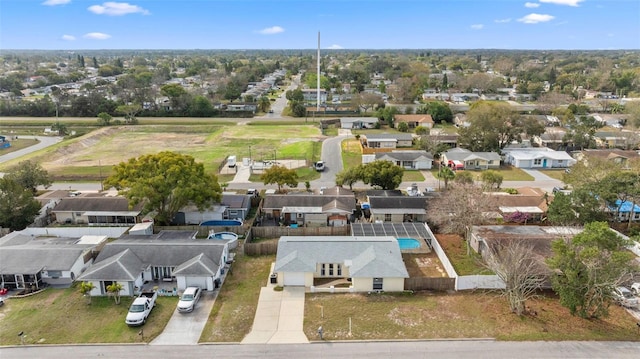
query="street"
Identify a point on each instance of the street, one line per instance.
(472, 349)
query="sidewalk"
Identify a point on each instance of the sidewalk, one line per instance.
(279, 317)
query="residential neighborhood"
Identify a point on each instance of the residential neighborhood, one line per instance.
(207, 182)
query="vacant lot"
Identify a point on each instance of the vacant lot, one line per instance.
(63, 316)
(92, 156)
(458, 315)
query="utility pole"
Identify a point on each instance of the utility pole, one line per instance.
(318, 79)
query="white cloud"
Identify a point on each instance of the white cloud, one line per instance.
(335, 47)
(68, 37)
(56, 2)
(536, 18)
(116, 9)
(562, 2)
(271, 30)
(96, 36)
(502, 21)
(531, 5)
(477, 26)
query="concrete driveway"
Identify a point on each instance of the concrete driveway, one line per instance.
(279, 317)
(186, 328)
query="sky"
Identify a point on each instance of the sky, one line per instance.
(343, 24)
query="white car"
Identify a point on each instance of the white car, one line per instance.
(189, 298)
(625, 298)
(635, 288)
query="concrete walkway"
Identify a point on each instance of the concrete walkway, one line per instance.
(279, 317)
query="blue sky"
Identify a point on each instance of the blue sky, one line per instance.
(293, 24)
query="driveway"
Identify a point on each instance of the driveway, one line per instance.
(279, 317)
(186, 328)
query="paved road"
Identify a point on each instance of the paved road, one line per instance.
(332, 157)
(471, 349)
(45, 142)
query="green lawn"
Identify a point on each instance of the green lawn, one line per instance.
(509, 173)
(556, 174)
(429, 315)
(412, 176)
(58, 316)
(232, 315)
(351, 153)
(19, 144)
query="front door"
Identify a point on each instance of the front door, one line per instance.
(20, 281)
(544, 163)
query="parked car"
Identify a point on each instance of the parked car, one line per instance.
(635, 288)
(319, 166)
(189, 298)
(625, 298)
(141, 308)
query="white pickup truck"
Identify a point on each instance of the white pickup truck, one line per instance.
(140, 308)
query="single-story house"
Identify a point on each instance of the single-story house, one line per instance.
(553, 137)
(538, 157)
(169, 256)
(31, 261)
(450, 140)
(309, 210)
(528, 205)
(616, 139)
(414, 121)
(624, 209)
(372, 263)
(358, 122)
(398, 209)
(621, 157)
(93, 210)
(460, 158)
(386, 140)
(409, 160)
(231, 206)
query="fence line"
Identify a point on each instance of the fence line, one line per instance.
(429, 283)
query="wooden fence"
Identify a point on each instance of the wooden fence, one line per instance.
(429, 283)
(277, 232)
(260, 248)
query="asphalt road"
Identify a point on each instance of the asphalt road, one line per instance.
(472, 349)
(45, 141)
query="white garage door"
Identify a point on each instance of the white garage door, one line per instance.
(294, 278)
(197, 282)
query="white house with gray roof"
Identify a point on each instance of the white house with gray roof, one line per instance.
(461, 158)
(176, 257)
(388, 140)
(409, 160)
(372, 263)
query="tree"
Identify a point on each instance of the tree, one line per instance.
(588, 267)
(493, 126)
(264, 103)
(114, 290)
(129, 112)
(464, 177)
(446, 174)
(384, 174)
(421, 130)
(491, 179)
(402, 127)
(366, 101)
(459, 208)
(164, 183)
(30, 175)
(85, 290)
(349, 176)
(18, 208)
(439, 111)
(60, 127)
(515, 263)
(281, 176)
(104, 119)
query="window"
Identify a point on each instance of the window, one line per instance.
(331, 269)
(339, 269)
(54, 273)
(387, 217)
(322, 270)
(537, 161)
(377, 283)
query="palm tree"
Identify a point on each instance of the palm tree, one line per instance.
(264, 103)
(114, 290)
(85, 289)
(446, 174)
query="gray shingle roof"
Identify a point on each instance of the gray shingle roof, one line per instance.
(365, 256)
(279, 201)
(461, 154)
(389, 136)
(124, 266)
(201, 265)
(21, 256)
(405, 155)
(398, 202)
(95, 204)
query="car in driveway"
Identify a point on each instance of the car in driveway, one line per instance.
(188, 300)
(625, 298)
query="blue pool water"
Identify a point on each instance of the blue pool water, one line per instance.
(408, 243)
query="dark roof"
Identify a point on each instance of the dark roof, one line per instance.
(95, 204)
(337, 191)
(609, 153)
(398, 202)
(163, 236)
(309, 200)
(236, 200)
(384, 193)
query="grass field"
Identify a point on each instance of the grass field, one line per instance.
(556, 174)
(428, 315)
(18, 144)
(90, 157)
(351, 153)
(232, 315)
(412, 176)
(58, 316)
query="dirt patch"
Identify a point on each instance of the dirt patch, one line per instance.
(423, 265)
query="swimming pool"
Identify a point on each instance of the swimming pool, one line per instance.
(408, 243)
